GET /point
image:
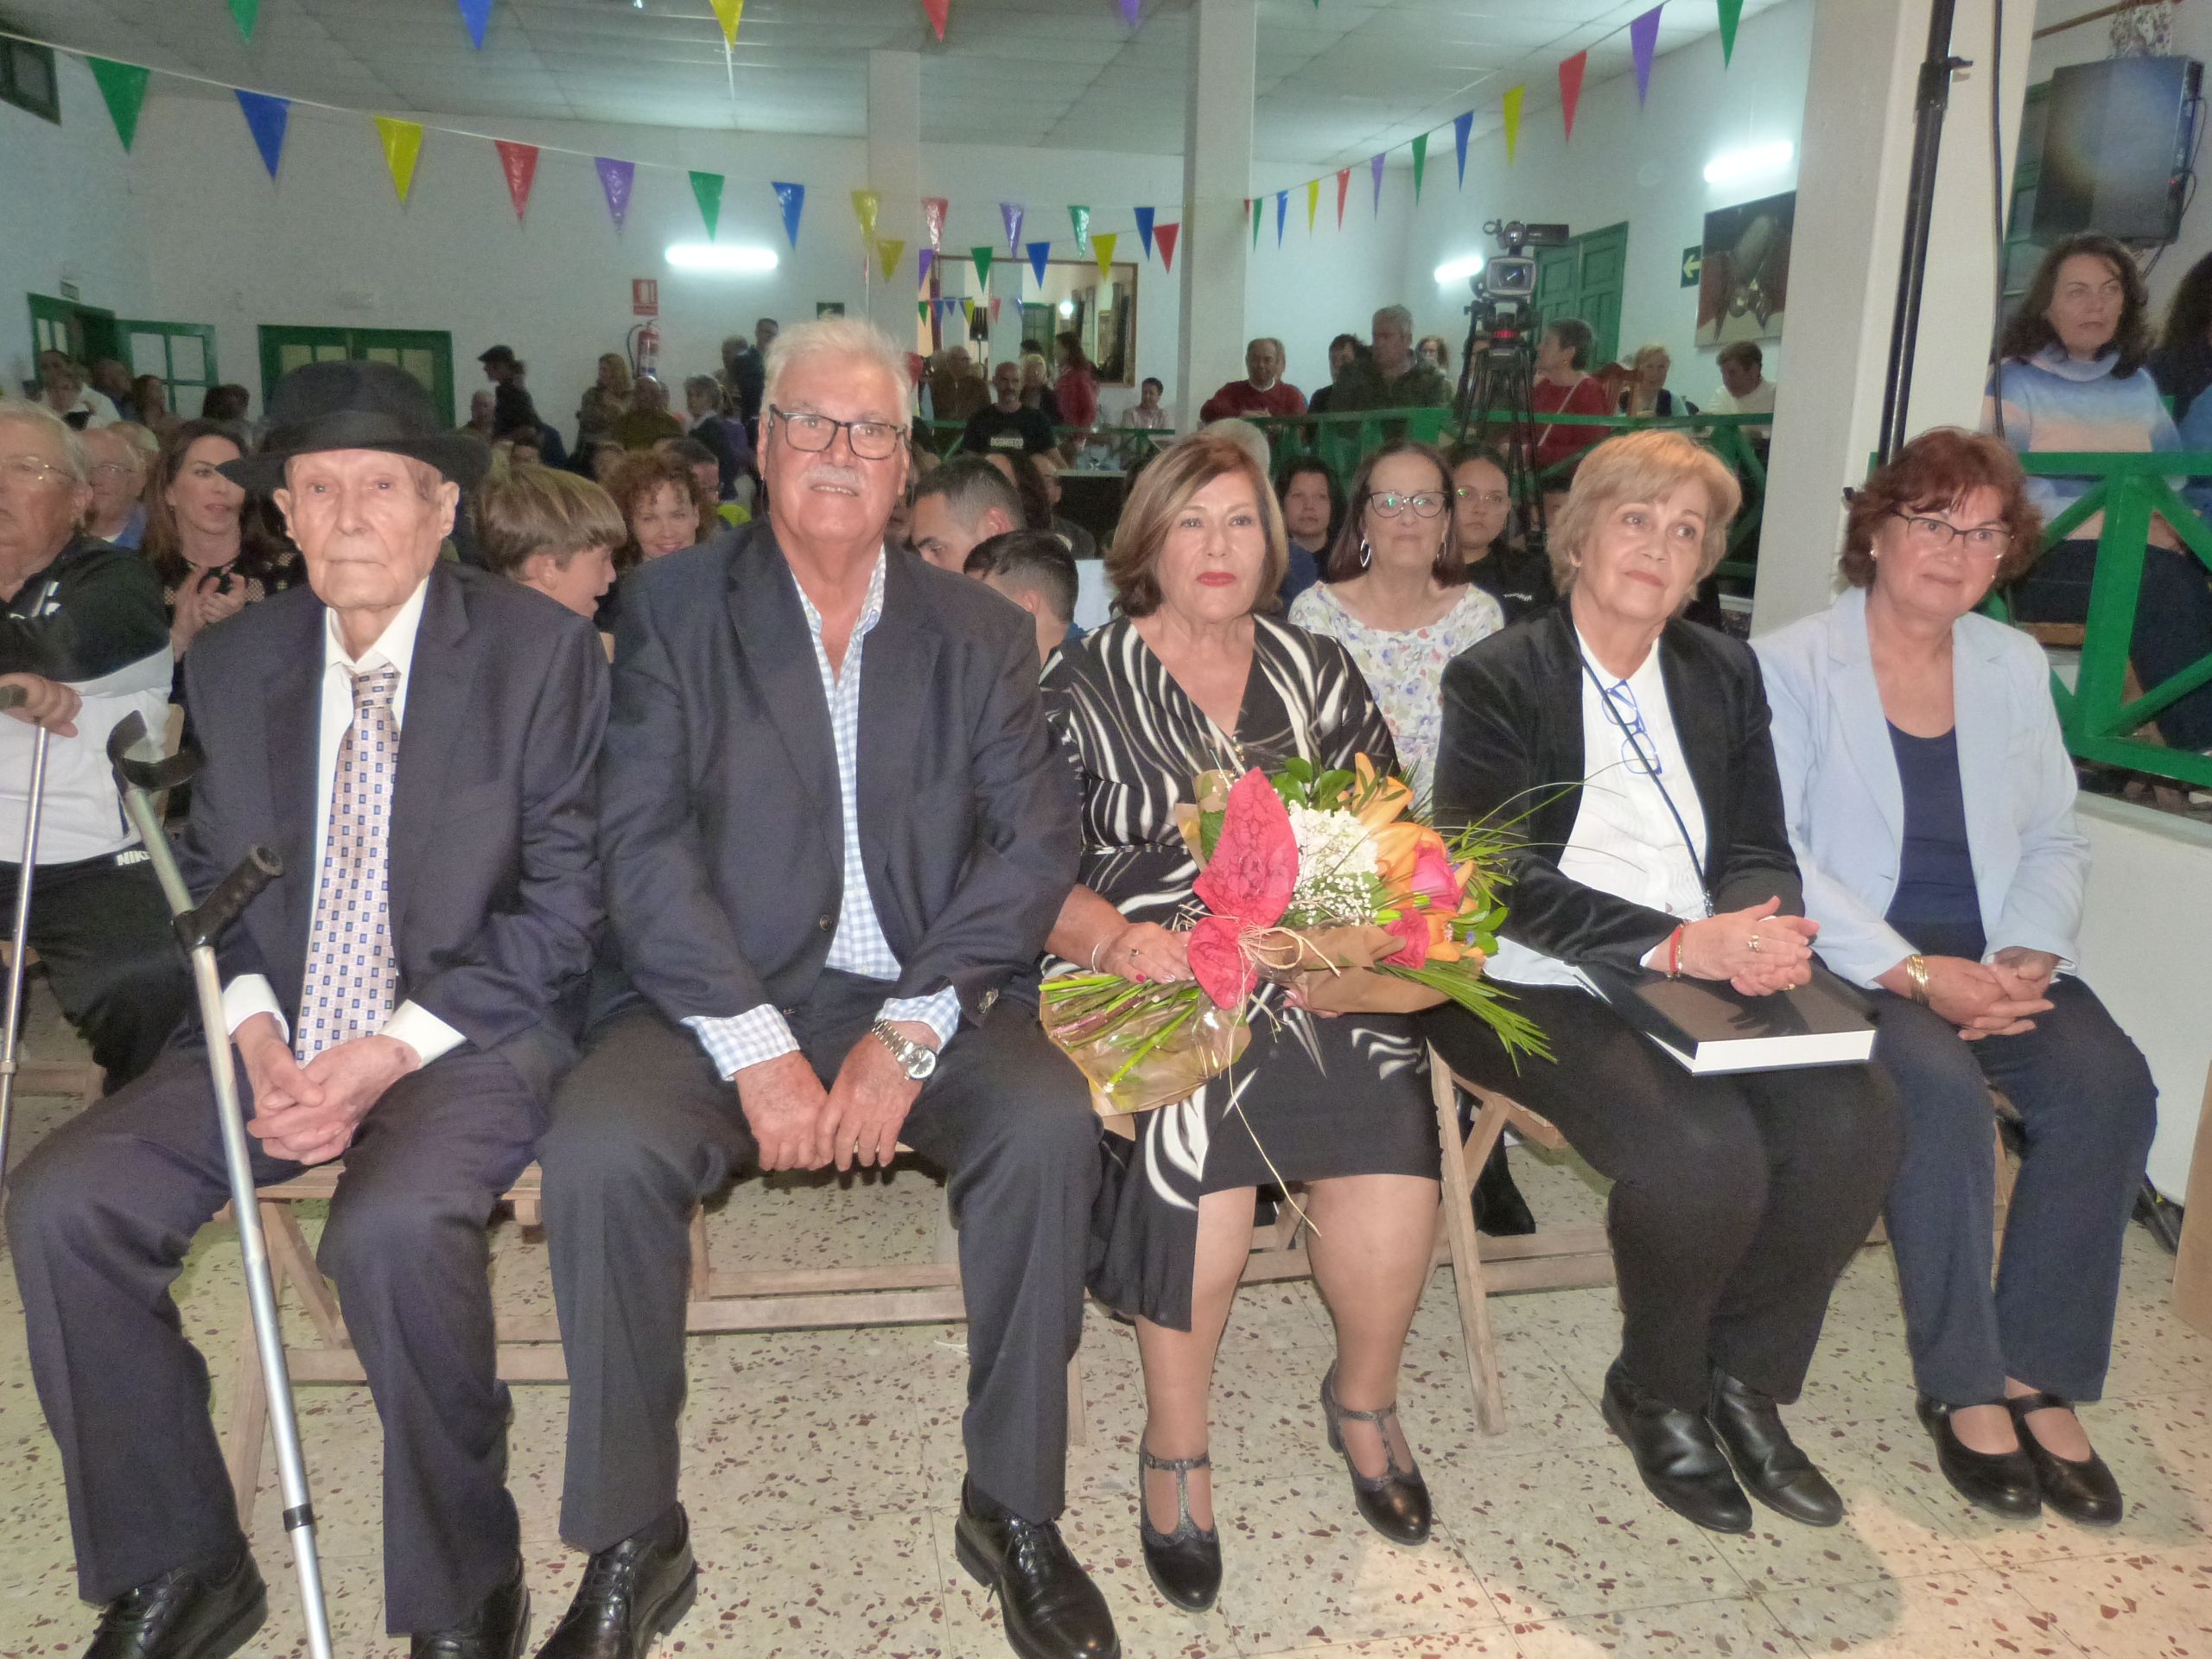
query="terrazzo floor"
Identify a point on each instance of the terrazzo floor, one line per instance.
(822, 1471)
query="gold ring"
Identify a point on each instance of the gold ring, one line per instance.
(1755, 944)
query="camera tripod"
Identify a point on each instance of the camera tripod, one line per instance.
(1495, 406)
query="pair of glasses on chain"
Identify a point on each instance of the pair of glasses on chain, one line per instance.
(1638, 752)
(812, 434)
(1426, 505)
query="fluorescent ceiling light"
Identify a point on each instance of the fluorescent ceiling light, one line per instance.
(1458, 270)
(721, 259)
(1739, 165)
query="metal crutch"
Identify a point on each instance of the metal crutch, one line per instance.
(11, 696)
(140, 778)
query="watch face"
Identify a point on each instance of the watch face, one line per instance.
(923, 1064)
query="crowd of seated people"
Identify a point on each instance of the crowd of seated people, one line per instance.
(724, 904)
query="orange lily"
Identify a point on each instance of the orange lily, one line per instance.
(1397, 847)
(1393, 798)
(1442, 947)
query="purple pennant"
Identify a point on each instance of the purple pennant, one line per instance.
(615, 178)
(1642, 42)
(926, 259)
(1144, 230)
(1461, 129)
(266, 118)
(1131, 11)
(1010, 212)
(1038, 253)
(477, 13)
(1375, 167)
(793, 198)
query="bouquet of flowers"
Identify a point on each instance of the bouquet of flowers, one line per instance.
(1328, 885)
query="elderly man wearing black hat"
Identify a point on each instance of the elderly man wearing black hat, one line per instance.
(417, 741)
(513, 407)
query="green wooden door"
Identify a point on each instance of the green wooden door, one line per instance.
(425, 354)
(181, 353)
(85, 332)
(1584, 278)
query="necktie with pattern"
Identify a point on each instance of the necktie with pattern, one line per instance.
(352, 974)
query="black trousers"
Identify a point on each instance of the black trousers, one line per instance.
(644, 1128)
(2089, 1109)
(100, 1218)
(102, 929)
(1737, 1200)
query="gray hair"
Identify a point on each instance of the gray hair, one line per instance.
(834, 337)
(1247, 437)
(1397, 314)
(24, 412)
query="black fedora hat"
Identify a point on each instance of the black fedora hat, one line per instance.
(355, 406)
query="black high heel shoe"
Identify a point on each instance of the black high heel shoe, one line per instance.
(2083, 1492)
(1394, 1502)
(2003, 1482)
(1185, 1564)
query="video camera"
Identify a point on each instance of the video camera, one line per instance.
(1506, 285)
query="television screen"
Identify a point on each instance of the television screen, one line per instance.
(2116, 149)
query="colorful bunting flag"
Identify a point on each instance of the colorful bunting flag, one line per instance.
(967, 310)
(1102, 245)
(1732, 13)
(923, 258)
(615, 179)
(1144, 230)
(982, 255)
(1461, 127)
(727, 12)
(402, 147)
(707, 191)
(1344, 185)
(266, 118)
(933, 211)
(477, 15)
(995, 302)
(888, 253)
(1283, 213)
(1511, 105)
(867, 204)
(243, 13)
(937, 10)
(1643, 42)
(1420, 162)
(1313, 202)
(922, 309)
(519, 163)
(1080, 218)
(1165, 236)
(1254, 205)
(123, 86)
(1375, 167)
(1570, 87)
(793, 199)
(1010, 216)
(1038, 253)
(1131, 11)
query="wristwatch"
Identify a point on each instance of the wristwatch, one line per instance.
(917, 1060)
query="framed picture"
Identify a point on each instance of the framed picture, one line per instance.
(828, 307)
(1744, 283)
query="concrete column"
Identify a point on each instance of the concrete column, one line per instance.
(1216, 178)
(894, 172)
(1856, 148)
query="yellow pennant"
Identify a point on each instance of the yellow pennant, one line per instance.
(886, 254)
(867, 204)
(1512, 106)
(402, 147)
(1102, 244)
(1313, 202)
(729, 11)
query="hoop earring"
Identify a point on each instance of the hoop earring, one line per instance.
(1366, 553)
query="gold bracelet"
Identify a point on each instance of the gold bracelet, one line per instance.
(1915, 973)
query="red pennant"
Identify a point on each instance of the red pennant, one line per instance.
(937, 9)
(519, 163)
(1570, 87)
(1343, 184)
(1163, 237)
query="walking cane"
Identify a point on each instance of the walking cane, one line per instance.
(140, 778)
(11, 696)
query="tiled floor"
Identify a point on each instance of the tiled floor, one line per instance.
(822, 1470)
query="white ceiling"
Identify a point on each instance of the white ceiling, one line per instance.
(1337, 81)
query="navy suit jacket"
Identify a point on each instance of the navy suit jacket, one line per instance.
(720, 820)
(495, 883)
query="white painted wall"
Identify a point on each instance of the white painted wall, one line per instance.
(70, 199)
(1644, 165)
(1326, 282)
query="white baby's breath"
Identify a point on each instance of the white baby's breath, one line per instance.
(1336, 857)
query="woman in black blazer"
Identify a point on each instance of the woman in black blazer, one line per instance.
(1633, 747)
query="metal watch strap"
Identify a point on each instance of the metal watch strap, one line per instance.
(916, 1059)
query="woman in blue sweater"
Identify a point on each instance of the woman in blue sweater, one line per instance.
(2070, 377)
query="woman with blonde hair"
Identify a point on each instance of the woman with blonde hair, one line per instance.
(1646, 392)
(604, 402)
(1191, 676)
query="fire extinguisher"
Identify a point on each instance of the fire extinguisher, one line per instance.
(645, 348)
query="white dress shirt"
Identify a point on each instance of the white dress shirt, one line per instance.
(1625, 841)
(252, 993)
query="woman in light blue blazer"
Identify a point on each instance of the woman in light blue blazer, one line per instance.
(1930, 802)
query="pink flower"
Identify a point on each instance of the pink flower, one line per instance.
(1433, 877)
(1413, 928)
(1254, 863)
(1217, 961)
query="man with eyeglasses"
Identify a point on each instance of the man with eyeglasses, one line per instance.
(837, 832)
(117, 516)
(82, 632)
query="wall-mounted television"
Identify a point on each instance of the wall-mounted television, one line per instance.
(2117, 148)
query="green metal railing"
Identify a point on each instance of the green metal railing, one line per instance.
(2101, 722)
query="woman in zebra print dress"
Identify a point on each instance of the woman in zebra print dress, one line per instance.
(1187, 679)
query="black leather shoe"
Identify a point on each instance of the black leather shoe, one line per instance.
(633, 1592)
(1500, 1210)
(1769, 1463)
(1394, 1502)
(1052, 1608)
(495, 1630)
(2003, 1482)
(1185, 1564)
(2082, 1492)
(1677, 1454)
(184, 1615)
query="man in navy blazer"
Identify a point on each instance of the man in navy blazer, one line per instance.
(836, 831)
(418, 741)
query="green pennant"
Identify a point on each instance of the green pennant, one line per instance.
(1256, 221)
(1420, 162)
(707, 188)
(124, 86)
(922, 309)
(245, 12)
(1732, 13)
(982, 256)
